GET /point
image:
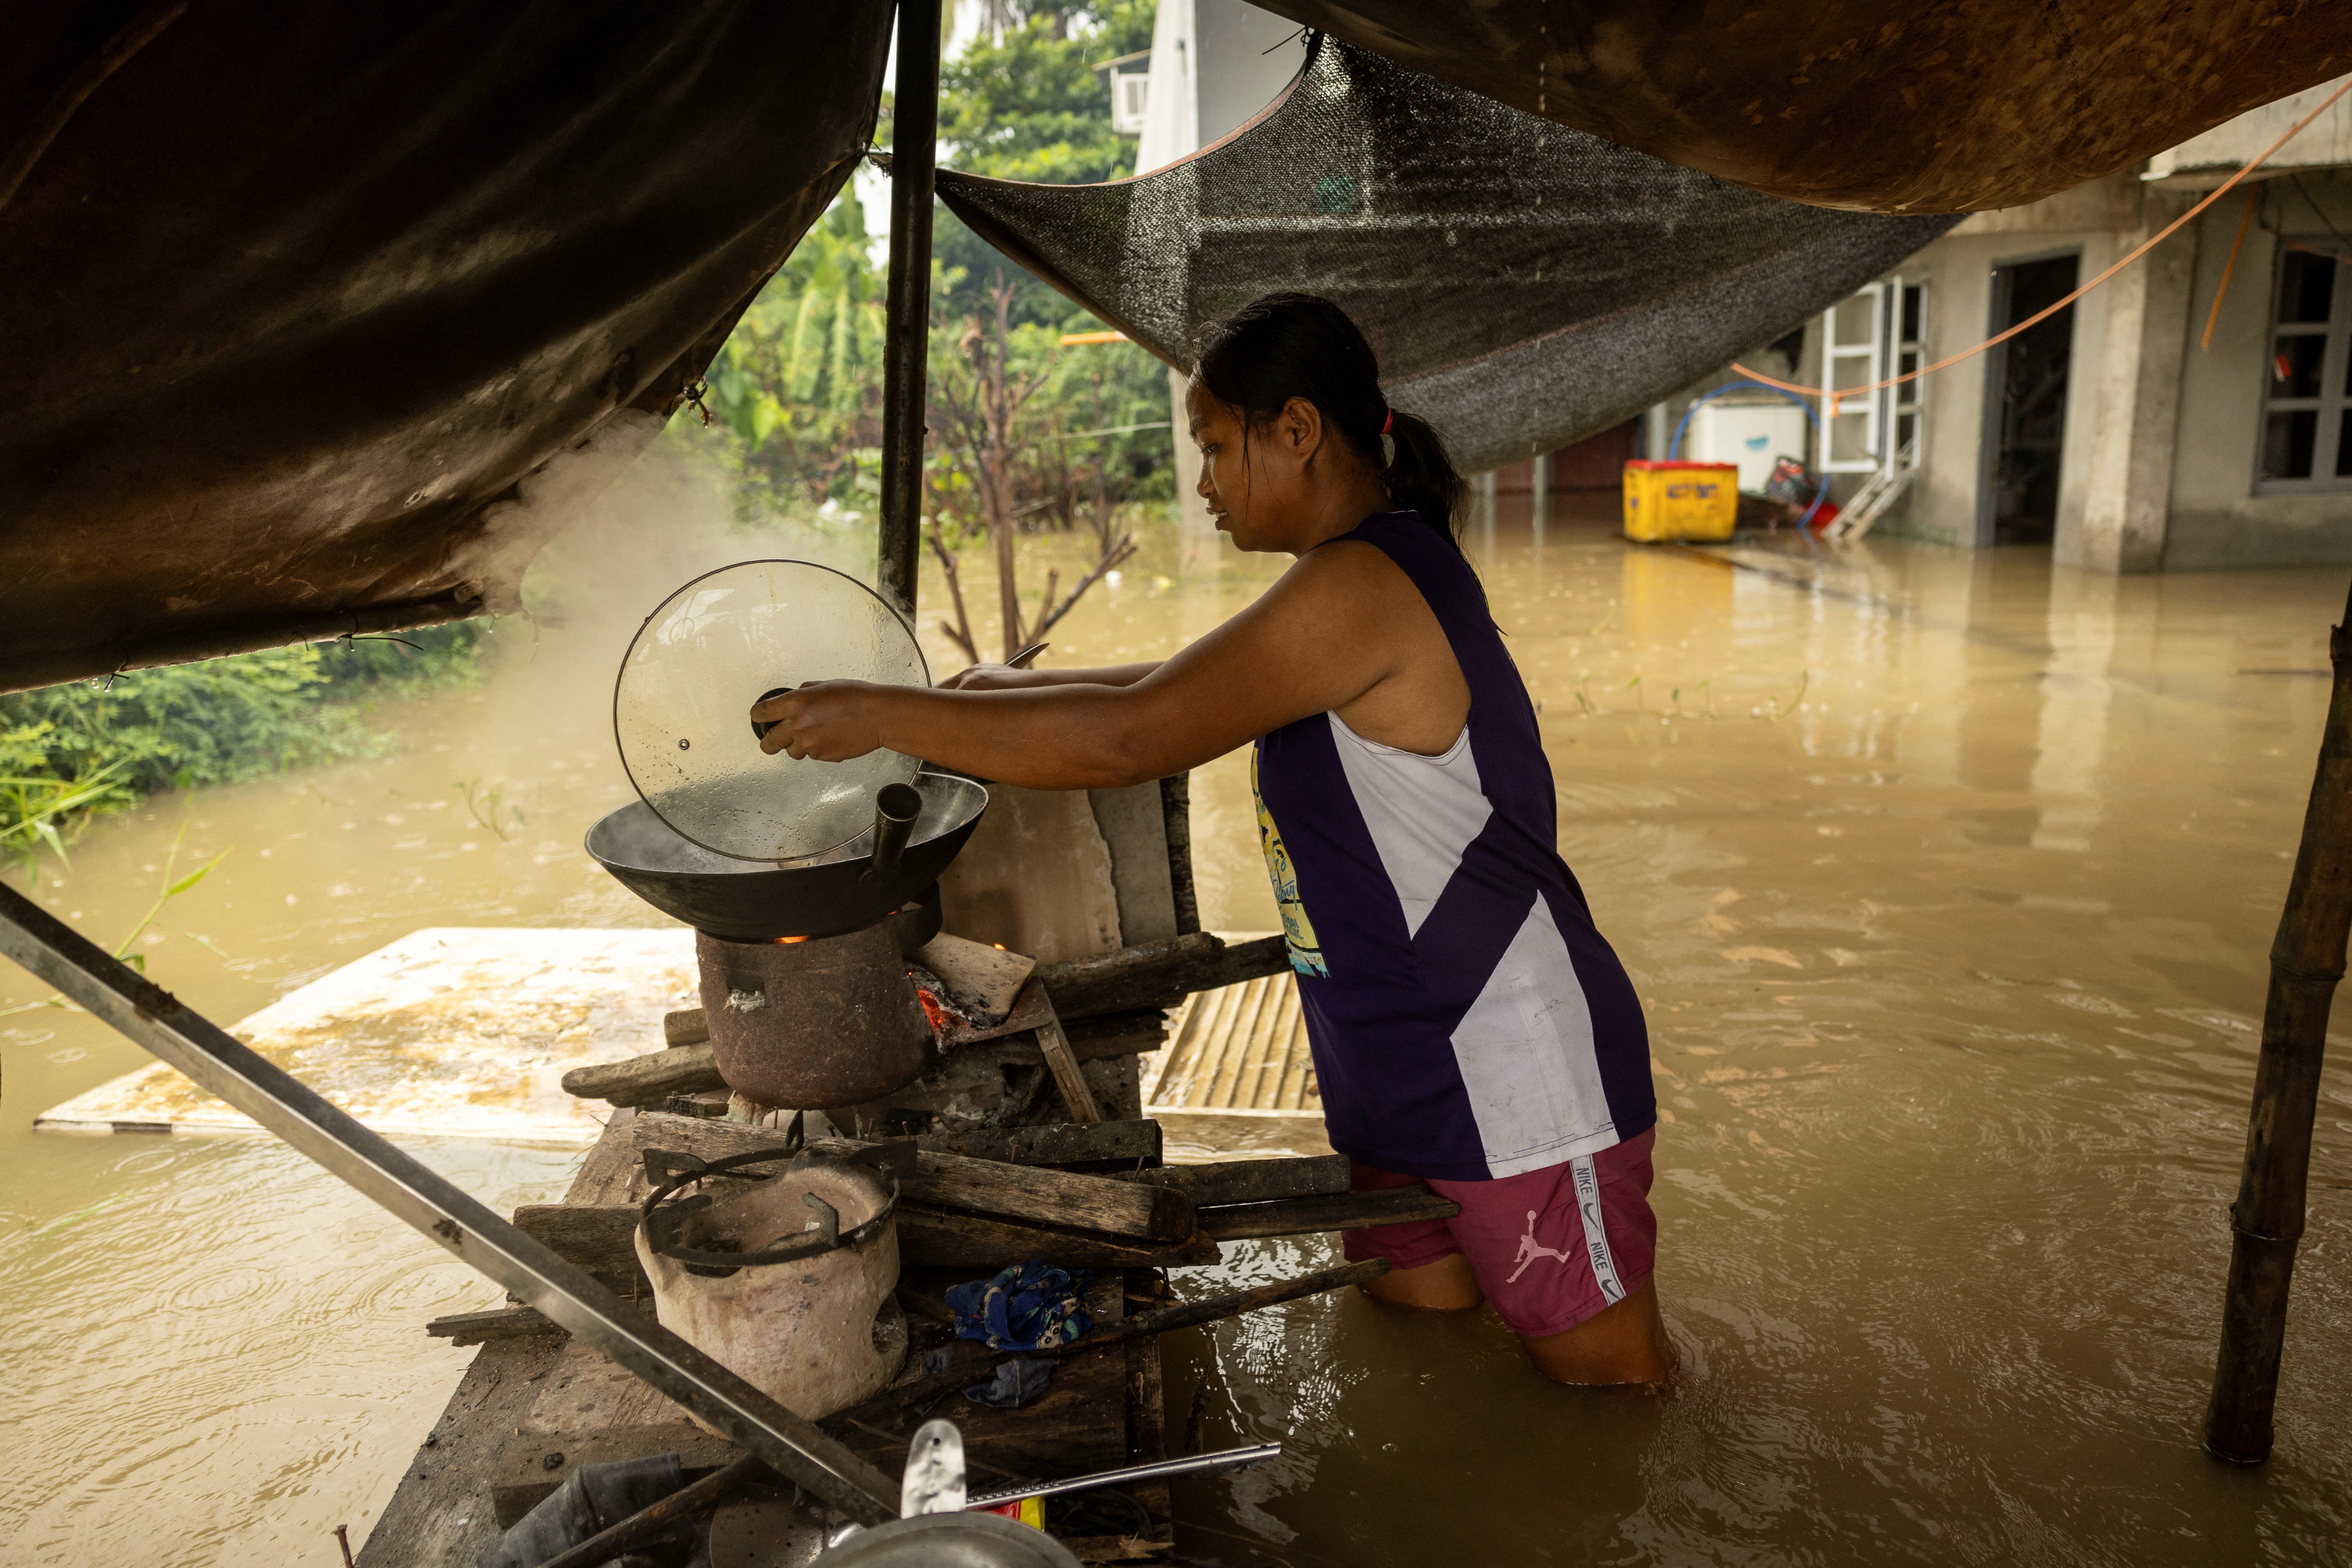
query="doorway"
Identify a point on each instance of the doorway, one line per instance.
(2025, 403)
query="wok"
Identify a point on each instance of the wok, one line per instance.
(749, 900)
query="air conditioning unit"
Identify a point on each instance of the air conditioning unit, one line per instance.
(1752, 435)
(1129, 92)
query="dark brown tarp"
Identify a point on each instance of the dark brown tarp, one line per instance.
(1525, 285)
(298, 301)
(1934, 106)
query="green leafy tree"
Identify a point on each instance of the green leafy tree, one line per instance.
(799, 381)
(1036, 434)
(69, 752)
(1027, 433)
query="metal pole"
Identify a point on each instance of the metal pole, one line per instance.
(2266, 1222)
(1158, 1469)
(905, 359)
(151, 1016)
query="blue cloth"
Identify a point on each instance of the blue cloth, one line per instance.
(1030, 1306)
(1009, 1387)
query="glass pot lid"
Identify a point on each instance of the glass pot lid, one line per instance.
(682, 708)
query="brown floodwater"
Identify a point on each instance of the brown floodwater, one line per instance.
(1948, 882)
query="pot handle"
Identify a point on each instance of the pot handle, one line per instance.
(759, 727)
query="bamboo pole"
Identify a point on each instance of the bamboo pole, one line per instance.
(908, 320)
(2266, 1222)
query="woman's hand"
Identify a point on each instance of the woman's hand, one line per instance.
(830, 720)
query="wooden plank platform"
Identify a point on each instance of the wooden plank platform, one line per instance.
(533, 1407)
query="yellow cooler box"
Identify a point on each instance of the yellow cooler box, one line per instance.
(1680, 500)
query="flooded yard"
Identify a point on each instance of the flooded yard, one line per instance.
(1948, 882)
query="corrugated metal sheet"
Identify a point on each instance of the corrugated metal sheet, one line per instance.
(1239, 1049)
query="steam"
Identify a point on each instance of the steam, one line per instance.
(614, 550)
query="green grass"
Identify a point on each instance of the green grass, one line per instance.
(71, 753)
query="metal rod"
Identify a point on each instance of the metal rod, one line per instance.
(153, 1019)
(1191, 1464)
(2266, 1222)
(906, 355)
(685, 1503)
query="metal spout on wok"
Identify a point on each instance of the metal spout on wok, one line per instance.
(896, 806)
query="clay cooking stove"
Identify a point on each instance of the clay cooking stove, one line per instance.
(804, 967)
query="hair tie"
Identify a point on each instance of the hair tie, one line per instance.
(1388, 421)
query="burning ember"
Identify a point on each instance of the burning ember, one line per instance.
(941, 1016)
(789, 941)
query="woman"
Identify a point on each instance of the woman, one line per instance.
(1469, 1025)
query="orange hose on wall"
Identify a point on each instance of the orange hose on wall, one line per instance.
(1838, 396)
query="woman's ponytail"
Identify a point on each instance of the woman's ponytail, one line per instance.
(1421, 476)
(1281, 346)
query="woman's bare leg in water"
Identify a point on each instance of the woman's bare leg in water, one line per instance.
(1625, 1342)
(1444, 1286)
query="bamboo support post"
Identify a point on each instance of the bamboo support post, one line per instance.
(905, 359)
(2266, 1222)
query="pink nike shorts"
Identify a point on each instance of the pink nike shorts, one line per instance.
(1551, 1248)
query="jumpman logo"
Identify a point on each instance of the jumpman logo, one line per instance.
(1530, 1249)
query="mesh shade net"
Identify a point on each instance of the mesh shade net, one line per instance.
(1525, 285)
(1929, 105)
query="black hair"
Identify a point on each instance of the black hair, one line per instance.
(1287, 345)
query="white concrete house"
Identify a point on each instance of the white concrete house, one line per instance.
(2144, 428)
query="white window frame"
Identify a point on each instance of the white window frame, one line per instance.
(1883, 354)
(2333, 402)
(1868, 358)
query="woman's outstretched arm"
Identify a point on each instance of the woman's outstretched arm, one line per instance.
(1004, 678)
(1319, 639)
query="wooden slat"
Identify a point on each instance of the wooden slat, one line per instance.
(1067, 1199)
(1156, 974)
(1060, 1143)
(1225, 1181)
(598, 1237)
(521, 1477)
(938, 1238)
(1307, 1216)
(496, 1323)
(647, 1079)
(612, 1173)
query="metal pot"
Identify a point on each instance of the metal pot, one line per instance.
(754, 901)
(949, 1540)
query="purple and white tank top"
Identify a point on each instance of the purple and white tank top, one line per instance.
(1467, 1020)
